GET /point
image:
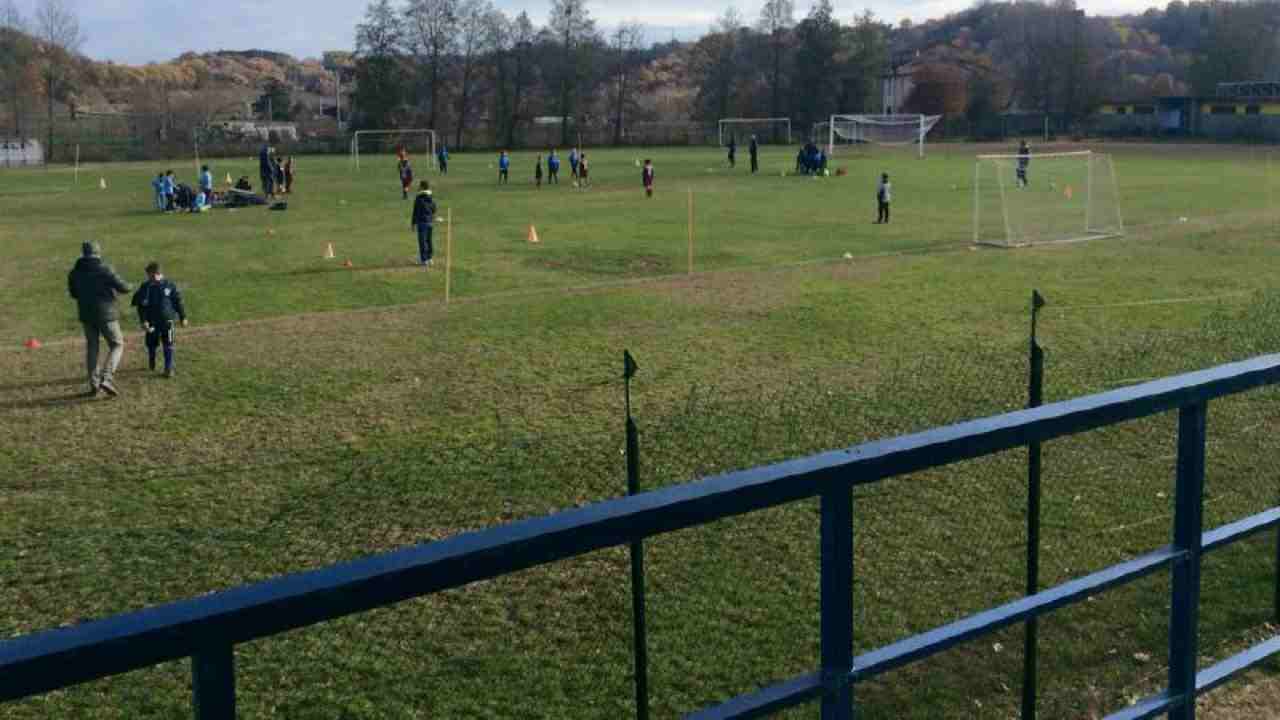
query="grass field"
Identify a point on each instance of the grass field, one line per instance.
(323, 413)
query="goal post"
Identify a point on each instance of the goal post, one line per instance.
(862, 129)
(417, 141)
(767, 130)
(1021, 200)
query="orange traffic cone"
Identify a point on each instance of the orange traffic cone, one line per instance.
(533, 235)
(328, 252)
(32, 344)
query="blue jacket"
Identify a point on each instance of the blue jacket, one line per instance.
(159, 303)
(553, 162)
(504, 162)
(158, 185)
(206, 180)
(166, 185)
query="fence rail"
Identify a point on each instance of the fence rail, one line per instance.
(207, 629)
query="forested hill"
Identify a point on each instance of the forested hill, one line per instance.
(803, 63)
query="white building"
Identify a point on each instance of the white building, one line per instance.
(20, 153)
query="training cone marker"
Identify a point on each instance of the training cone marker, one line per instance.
(102, 183)
(228, 178)
(328, 252)
(270, 231)
(848, 256)
(347, 264)
(32, 344)
(533, 235)
(1067, 192)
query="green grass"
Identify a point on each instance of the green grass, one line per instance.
(325, 413)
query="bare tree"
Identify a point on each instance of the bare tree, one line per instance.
(473, 38)
(715, 62)
(776, 18)
(58, 30)
(626, 42)
(523, 36)
(432, 27)
(572, 27)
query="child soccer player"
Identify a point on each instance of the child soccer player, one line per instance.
(170, 187)
(206, 182)
(537, 172)
(406, 177)
(573, 162)
(646, 176)
(583, 178)
(279, 170)
(1024, 159)
(884, 194)
(733, 151)
(424, 213)
(158, 186)
(553, 169)
(504, 165)
(288, 175)
(159, 305)
(442, 159)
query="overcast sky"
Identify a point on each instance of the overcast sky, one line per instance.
(140, 31)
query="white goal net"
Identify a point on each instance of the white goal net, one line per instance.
(903, 130)
(1056, 197)
(768, 131)
(416, 143)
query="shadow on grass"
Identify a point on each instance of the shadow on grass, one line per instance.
(75, 398)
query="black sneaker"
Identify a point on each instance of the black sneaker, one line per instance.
(168, 374)
(109, 388)
(92, 392)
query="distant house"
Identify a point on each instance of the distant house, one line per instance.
(896, 84)
(256, 130)
(1236, 110)
(20, 153)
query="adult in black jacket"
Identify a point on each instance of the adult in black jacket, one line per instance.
(424, 213)
(159, 304)
(94, 285)
(266, 170)
(754, 150)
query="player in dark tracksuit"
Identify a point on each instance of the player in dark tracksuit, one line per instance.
(424, 213)
(646, 177)
(159, 305)
(754, 150)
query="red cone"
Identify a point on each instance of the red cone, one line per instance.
(32, 344)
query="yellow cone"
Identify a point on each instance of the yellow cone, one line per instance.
(102, 183)
(328, 252)
(533, 235)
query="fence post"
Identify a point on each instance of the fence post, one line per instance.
(1035, 397)
(213, 683)
(1187, 526)
(837, 602)
(629, 368)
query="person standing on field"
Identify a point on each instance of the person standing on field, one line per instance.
(754, 151)
(537, 172)
(266, 171)
(573, 162)
(160, 309)
(442, 159)
(206, 182)
(584, 179)
(646, 177)
(94, 286)
(884, 195)
(424, 214)
(1024, 159)
(504, 167)
(553, 169)
(288, 175)
(406, 178)
(733, 152)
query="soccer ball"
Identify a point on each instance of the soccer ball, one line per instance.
(826, 173)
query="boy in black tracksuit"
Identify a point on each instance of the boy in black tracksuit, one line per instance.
(160, 308)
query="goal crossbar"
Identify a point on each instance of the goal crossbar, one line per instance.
(355, 140)
(1040, 156)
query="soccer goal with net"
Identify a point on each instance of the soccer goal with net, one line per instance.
(891, 130)
(767, 130)
(386, 142)
(1056, 197)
